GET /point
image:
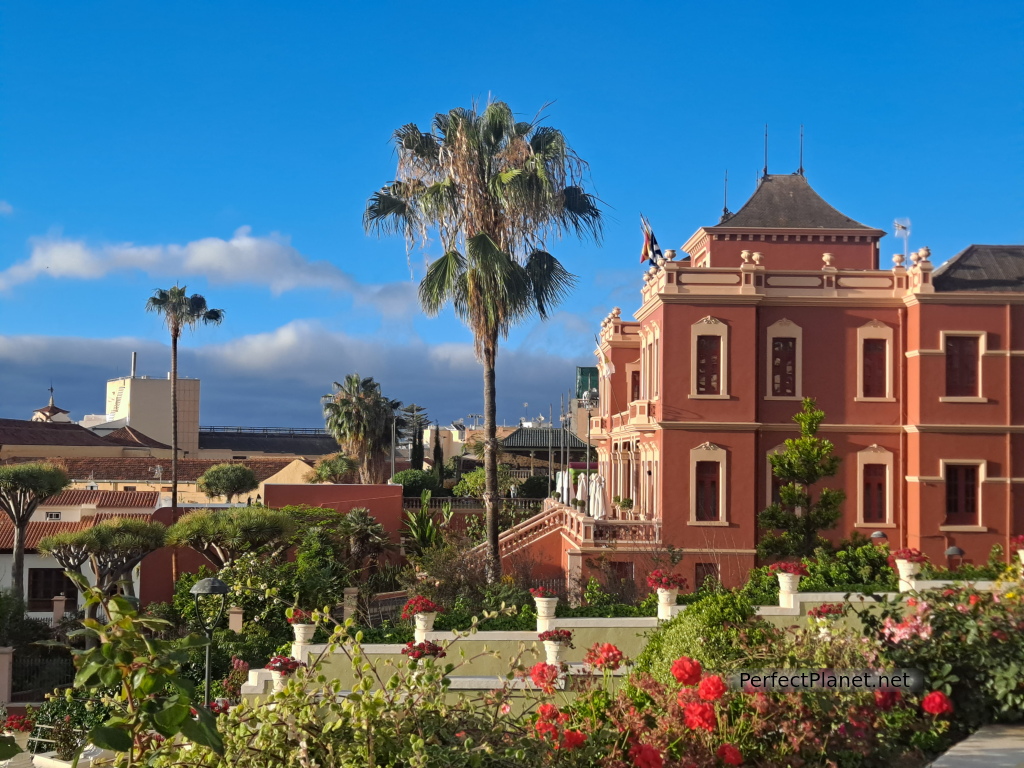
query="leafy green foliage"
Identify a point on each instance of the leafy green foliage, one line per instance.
(22, 487)
(473, 483)
(151, 694)
(534, 487)
(708, 630)
(336, 468)
(77, 706)
(994, 569)
(228, 480)
(362, 419)
(791, 527)
(863, 568)
(222, 535)
(415, 481)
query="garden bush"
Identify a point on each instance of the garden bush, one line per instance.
(76, 704)
(968, 644)
(415, 481)
(708, 630)
(534, 487)
(863, 568)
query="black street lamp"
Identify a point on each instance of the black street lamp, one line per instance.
(209, 587)
(954, 551)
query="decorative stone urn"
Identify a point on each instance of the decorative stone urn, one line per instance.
(545, 612)
(304, 633)
(424, 623)
(553, 651)
(280, 679)
(20, 738)
(1020, 554)
(666, 599)
(907, 571)
(789, 585)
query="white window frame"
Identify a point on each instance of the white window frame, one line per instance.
(710, 326)
(785, 328)
(52, 517)
(982, 351)
(982, 466)
(875, 454)
(715, 453)
(875, 330)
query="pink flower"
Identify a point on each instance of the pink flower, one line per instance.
(729, 755)
(937, 703)
(646, 756)
(686, 670)
(505, 708)
(711, 688)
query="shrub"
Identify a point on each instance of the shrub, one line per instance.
(415, 481)
(968, 644)
(708, 630)
(472, 483)
(534, 487)
(75, 704)
(860, 569)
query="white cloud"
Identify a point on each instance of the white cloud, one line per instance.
(276, 378)
(270, 261)
(6, 209)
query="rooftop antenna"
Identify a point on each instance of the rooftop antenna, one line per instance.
(800, 170)
(725, 198)
(902, 227)
(765, 151)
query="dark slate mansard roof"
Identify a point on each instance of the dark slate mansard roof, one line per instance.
(536, 438)
(283, 441)
(997, 268)
(787, 202)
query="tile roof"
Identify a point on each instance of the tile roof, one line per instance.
(36, 532)
(786, 201)
(140, 468)
(132, 437)
(105, 499)
(20, 432)
(272, 442)
(50, 410)
(997, 268)
(536, 438)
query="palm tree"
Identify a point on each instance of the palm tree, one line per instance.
(494, 189)
(179, 311)
(361, 420)
(332, 469)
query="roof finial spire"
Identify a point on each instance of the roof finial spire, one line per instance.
(51, 392)
(726, 213)
(800, 170)
(766, 150)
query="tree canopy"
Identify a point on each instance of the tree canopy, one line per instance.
(228, 480)
(22, 488)
(361, 419)
(225, 534)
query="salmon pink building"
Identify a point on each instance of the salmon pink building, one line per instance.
(920, 372)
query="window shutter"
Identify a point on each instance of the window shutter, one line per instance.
(709, 365)
(874, 365)
(961, 495)
(784, 366)
(707, 491)
(874, 493)
(961, 366)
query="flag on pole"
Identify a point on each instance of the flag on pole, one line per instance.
(651, 249)
(606, 368)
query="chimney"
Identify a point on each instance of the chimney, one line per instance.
(134, 357)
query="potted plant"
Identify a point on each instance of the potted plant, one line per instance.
(280, 667)
(422, 610)
(908, 564)
(20, 727)
(626, 505)
(556, 495)
(555, 641)
(668, 586)
(1017, 542)
(546, 601)
(825, 615)
(788, 575)
(303, 625)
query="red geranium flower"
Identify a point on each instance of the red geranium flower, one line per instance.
(974, 599)
(794, 569)
(572, 740)
(604, 656)
(937, 703)
(547, 711)
(546, 730)
(646, 756)
(544, 676)
(886, 700)
(420, 604)
(729, 755)
(700, 716)
(686, 670)
(712, 688)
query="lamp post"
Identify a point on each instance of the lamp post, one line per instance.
(209, 587)
(955, 551)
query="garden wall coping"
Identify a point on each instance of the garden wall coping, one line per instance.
(993, 746)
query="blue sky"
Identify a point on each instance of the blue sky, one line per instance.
(231, 146)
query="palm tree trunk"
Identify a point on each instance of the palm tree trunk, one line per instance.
(18, 560)
(174, 419)
(491, 497)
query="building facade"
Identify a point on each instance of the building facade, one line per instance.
(919, 372)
